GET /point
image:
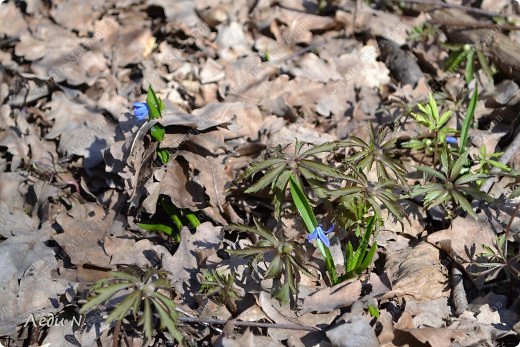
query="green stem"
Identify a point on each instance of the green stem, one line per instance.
(305, 210)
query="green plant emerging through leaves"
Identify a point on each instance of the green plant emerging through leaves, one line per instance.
(452, 184)
(285, 258)
(142, 295)
(435, 122)
(301, 164)
(220, 287)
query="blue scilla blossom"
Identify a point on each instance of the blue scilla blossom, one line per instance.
(140, 110)
(320, 234)
(451, 139)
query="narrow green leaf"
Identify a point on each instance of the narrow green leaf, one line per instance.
(432, 172)
(457, 166)
(147, 319)
(484, 63)
(154, 104)
(156, 227)
(321, 169)
(267, 179)
(350, 264)
(368, 259)
(499, 165)
(121, 309)
(302, 205)
(470, 66)
(192, 218)
(468, 121)
(257, 167)
(324, 147)
(168, 322)
(103, 295)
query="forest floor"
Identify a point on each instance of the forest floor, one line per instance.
(202, 212)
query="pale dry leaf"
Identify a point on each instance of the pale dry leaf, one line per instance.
(418, 272)
(356, 332)
(361, 68)
(141, 253)
(211, 72)
(76, 14)
(244, 119)
(273, 310)
(183, 266)
(81, 131)
(464, 239)
(210, 175)
(84, 228)
(10, 13)
(310, 66)
(329, 299)
(248, 340)
(26, 279)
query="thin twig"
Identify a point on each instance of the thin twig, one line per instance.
(458, 293)
(474, 25)
(446, 5)
(247, 324)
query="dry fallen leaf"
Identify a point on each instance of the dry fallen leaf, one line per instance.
(328, 299)
(418, 272)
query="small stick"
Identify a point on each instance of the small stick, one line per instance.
(247, 324)
(458, 293)
(473, 25)
(446, 5)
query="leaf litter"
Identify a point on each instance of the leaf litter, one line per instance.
(78, 174)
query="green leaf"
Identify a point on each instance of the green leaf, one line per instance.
(121, 309)
(361, 251)
(302, 205)
(321, 169)
(324, 147)
(267, 179)
(461, 201)
(484, 63)
(103, 295)
(192, 218)
(368, 259)
(468, 121)
(454, 60)
(283, 294)
(444, 118)
(304, 209)
(147, 319)
(157, 131)
(164, 155)
(255, 168)
(168, 322)
(350, 264)
(275, 268)
(155, 105)
(470, 67)
(374, 311)
(432, 172)
(156, 227)
(499, 165)
(457, 166)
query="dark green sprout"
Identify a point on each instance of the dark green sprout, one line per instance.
(287, 258)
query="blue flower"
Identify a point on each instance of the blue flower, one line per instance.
(451, 139)
(320, 234)
(140, 110)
